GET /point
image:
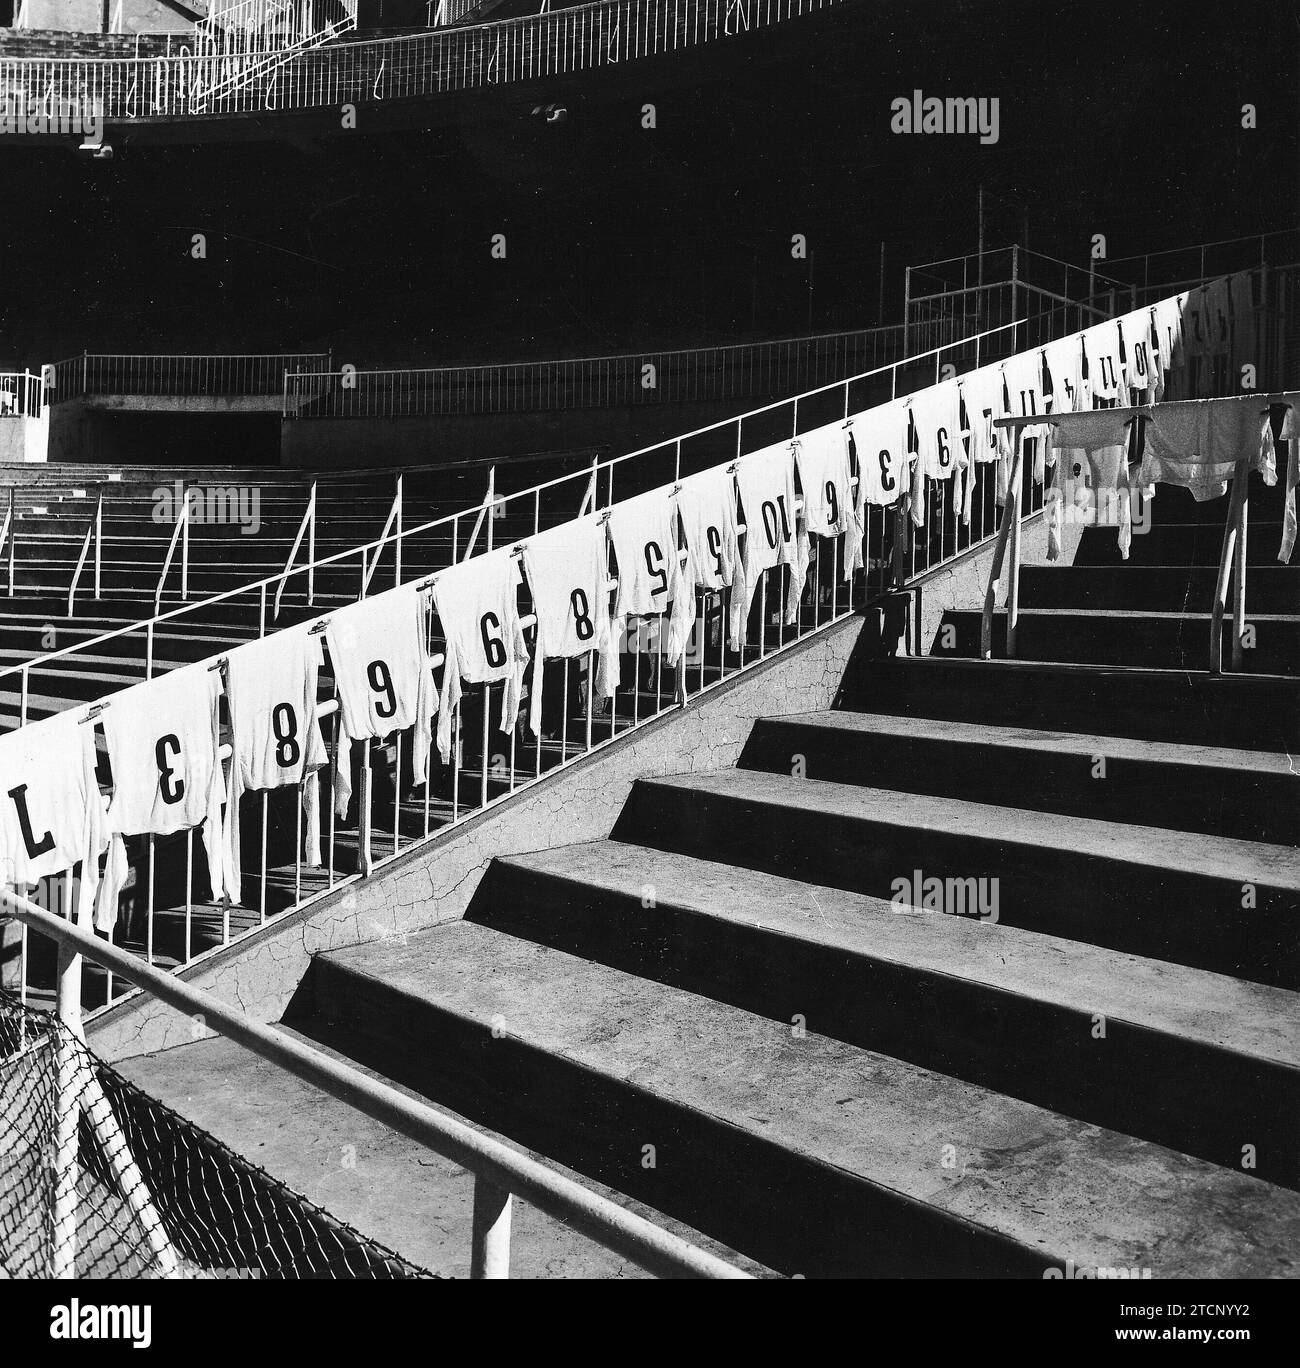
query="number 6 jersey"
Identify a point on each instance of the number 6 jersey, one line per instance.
(275, 737)
(478, 606)
(380, 659)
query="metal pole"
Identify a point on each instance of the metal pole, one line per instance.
(651, 1247)
(490, 1241)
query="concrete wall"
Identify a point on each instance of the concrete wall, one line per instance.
(433, 885)
(91, 16)
(67, 16)
(127, 433)
(24, 439)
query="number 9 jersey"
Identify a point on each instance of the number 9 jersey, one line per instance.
(380, 660)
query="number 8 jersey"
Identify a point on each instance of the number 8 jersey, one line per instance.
(380, 660)
(568, 573)
(275, 737)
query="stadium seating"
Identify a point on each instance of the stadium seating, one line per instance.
(774, 1023)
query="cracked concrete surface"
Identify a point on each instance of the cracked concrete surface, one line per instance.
(435, 882)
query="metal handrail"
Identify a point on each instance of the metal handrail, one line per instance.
(8, 536)
(265, 585)
(1234, 541)
(181, 531)
(499, 1171)
(306, 528)
(368, 564)
(96, 529)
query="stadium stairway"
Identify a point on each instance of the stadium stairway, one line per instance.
(749, 1010)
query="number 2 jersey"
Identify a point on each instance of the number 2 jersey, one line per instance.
(275, 736)
(380, 658)
(478, 606)
(567, 569)
(650, 577)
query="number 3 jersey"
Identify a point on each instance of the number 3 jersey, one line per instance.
(162, 746)
(568, 575)
(275, 737)
(51, 811)
(478, 606)
(380, 658)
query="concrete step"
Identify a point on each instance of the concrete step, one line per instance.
(1005, 1008)
(398, 1192)
(1272, 589)
(1247, 795)
(1178, 544)
(1159, 705)
(1140, 640)
(807, 1153)
(1143, 890)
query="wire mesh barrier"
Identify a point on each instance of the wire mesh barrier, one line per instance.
(446, 60)
(99, 1180)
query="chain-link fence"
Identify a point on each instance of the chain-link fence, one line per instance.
(99, 1180)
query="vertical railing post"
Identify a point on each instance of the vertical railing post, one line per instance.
(1239, 577)
(490, 1247)
(398, 580)
(99, 537)
(67, 1118)
(311, 546)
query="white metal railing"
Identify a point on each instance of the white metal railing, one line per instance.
(95, 530)
(500, 1172)
(445, 60)
(307, 528)
(180, 532)
(22, 394)
(684, 375)
(180, 375)
(8, 536)
(485, 771)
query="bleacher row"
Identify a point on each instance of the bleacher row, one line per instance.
(172, 926)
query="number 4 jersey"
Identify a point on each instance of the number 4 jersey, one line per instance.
(275, 737)
(380, 658)
(568, 575)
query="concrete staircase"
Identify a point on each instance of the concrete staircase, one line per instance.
(748, 1011)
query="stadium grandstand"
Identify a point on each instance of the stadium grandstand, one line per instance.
(612, 665)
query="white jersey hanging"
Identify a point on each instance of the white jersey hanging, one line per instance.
(650, 572)
(380, 659)
(765, 482)
(162, 745)
(880, 437)
(567, 569)
(828, 506)
(478, 607)
(51, 812)
(275, 736)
